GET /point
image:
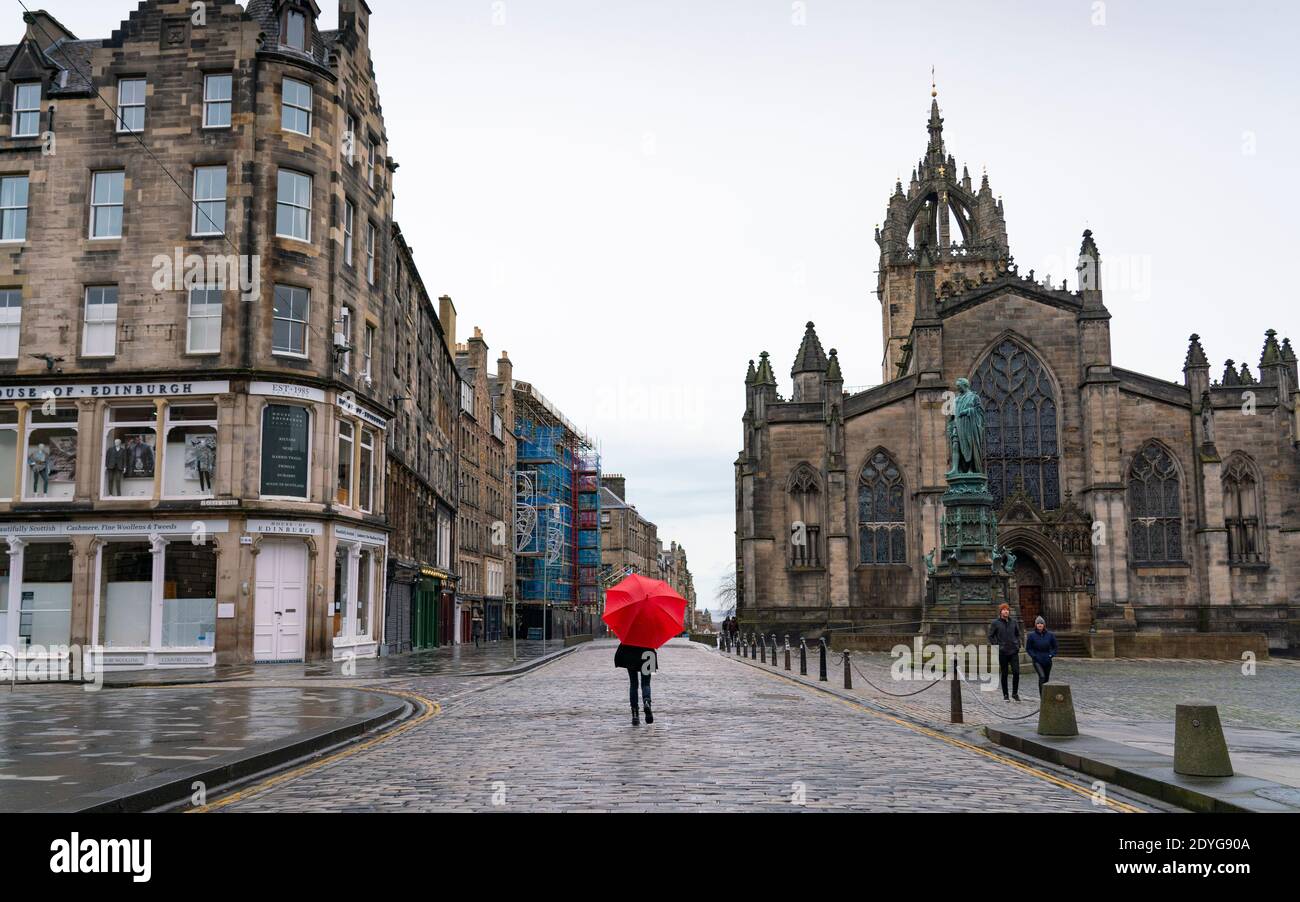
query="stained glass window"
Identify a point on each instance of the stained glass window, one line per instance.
(1155, 507)
(1020, 421)
(882, 532)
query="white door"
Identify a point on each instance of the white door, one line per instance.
(280, 608)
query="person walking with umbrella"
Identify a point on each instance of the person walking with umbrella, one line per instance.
(644, 613)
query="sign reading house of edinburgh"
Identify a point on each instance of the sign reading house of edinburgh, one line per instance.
(285, 441)
(113, 527)
(111, 390)
(349, 405)
(285, 527)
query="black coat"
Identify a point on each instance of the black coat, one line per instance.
(632, 657)
(1005, 634)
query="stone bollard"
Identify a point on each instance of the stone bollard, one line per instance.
(1199, 747)
(787, 651)
(1056, 711)
(848, 671)
(822, 677)
(803, 657)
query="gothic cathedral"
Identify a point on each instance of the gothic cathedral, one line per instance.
(1137, 508)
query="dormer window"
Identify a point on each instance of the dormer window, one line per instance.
(295, 30)
(27, 110)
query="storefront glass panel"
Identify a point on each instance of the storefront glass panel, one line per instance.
(51, 454)
(125, 594)
(189, 609)
(46, 614)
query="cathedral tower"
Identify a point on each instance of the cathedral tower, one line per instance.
(962, 229)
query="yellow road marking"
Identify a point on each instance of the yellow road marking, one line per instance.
(431, 709)
(951, 740)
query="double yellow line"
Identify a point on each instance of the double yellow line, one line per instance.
(952, 740)
(428, 709)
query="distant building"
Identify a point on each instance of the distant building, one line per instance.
(557, 527)
(484, 521)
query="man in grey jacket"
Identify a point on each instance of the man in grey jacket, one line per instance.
(1005, 634)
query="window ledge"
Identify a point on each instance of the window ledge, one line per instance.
(1249, 565)
(901, 568)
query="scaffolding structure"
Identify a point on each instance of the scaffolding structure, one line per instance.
(557, 512)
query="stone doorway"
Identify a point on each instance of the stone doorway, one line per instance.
(1029, 587)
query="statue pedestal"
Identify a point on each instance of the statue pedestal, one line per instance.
(967, 584)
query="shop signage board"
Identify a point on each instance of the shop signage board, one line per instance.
(115, 527)
(161, 389)
(286, 527)
(286, 444)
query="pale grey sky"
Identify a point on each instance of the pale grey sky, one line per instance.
(635, 198)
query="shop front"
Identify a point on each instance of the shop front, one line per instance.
(144, 591)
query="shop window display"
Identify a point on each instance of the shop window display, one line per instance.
(130, 452)
(125, 594)
(51, 454)
(189, 608)
(190, 454)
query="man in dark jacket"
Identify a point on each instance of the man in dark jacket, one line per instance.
(1005, 634)
(1041, 646)
(638, 661)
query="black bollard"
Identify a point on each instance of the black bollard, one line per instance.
(774, 649)
(803, 657)
(753, 650)
(822, 666)
(762, 649)
(954, 705)
(787, 651)
(848, 671)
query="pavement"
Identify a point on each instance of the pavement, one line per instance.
(1129, 701)
(726, 737)
(451, 660)
(65, 749)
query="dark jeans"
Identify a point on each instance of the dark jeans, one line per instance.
(1044, 670)
(631, 686)
(1009, 659)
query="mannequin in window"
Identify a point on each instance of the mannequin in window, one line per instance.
(116, 462)
(38, 461)
(205, 458)
(141, 466)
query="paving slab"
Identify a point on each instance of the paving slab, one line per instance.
(65, 749)
(1149, 772)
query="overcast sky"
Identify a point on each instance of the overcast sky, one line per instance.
(635, 197)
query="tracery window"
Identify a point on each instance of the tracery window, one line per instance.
(805, 521)
(1020, 418)
(1241, 511)
(882, 532)
(1155, 507)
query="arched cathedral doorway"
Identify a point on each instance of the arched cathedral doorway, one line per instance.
(1029, 587)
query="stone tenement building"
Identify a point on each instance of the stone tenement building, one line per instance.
(192, 469)
(486, 558)
(421, 381)
(1132, 503)
(629, 543)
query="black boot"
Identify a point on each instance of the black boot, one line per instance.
(636, 717)
(649, 715)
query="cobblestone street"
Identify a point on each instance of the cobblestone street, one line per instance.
(726, 737)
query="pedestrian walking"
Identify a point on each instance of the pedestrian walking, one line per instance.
(1041, 646)
(640, 663)
(644, 613)
(1005, 634)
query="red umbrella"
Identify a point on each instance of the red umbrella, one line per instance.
(644, 612)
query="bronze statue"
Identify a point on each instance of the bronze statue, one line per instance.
(966, 431)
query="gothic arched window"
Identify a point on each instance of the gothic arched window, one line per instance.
(1241, 511)
(1155, 508)
(1020, 425)
(805, 519)
(882, 532)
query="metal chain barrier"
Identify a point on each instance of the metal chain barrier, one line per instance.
(993, 710)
